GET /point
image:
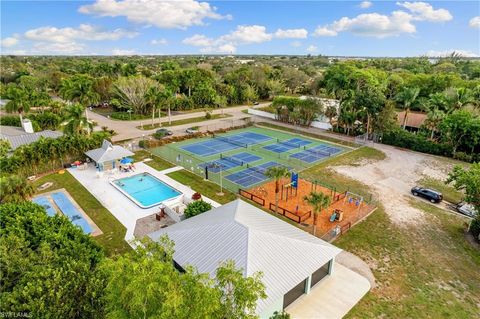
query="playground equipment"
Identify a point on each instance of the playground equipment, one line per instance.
(290, 189)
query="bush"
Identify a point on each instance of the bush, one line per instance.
(416, 142)
(10, 120)
(196, 208)
(159, 135)
(475, 227)
(208, 115)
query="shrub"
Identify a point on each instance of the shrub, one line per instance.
(208, 115)
(10, 120)
(416, 142)
(475, 227)
(196, 208)
(159, 135)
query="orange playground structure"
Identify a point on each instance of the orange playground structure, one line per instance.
(344, 211)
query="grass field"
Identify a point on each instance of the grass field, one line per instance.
(157, 163)
(112, 239)
(421, 272)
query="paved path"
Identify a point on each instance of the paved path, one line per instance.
(128, 129)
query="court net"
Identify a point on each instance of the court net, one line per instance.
(288, 144)
(318, 153)
(232, 160)
(229, 140)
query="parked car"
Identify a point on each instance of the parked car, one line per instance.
(164, 131)
(427, 193)
(466, 209)
(192, 130)
(256, 103)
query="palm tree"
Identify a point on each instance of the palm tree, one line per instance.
(407, 97)
(277, 173)
(331, 112)
(458, 97)
(18, 101)
(319, 201)
(76, 122)
(434, 118)
(14, 188)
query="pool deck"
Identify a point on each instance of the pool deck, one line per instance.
(126, 211)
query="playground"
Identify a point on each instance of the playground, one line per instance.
(344, 211)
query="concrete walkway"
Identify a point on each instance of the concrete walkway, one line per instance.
(332, 297)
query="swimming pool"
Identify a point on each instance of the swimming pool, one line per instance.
(145, 190)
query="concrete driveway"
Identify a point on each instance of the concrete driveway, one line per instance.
(332, 297)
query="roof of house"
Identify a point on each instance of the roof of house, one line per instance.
(108, 152)
(255, 240)
(414, 119)
(18, 137)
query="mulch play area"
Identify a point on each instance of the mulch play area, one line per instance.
(291, 204)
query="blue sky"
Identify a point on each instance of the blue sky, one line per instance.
(376, 28)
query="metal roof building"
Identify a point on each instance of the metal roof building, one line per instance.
(108, 152)
(18, 137)
(291, 260)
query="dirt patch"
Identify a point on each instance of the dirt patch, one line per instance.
(392, 179)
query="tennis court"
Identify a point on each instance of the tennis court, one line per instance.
(316, 153)
(251, 175)
(219, 144)
(239, 158)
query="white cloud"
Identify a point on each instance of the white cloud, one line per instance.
(227, 48)
(446, 53)
(370, 24)
(160, 13)
(291, 34)
(199, 40)
(9, 42)
(296, 44)
(245, 34)
(83, 32)
(312, 49)
(423, 11)
(474, 22)
(123, 52)
(61, 48)
(366, 4)
(159, 42)
(324, 32)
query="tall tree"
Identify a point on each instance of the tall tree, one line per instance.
(52, 266)
(318, 201)
(277, 173)
(75, 120)
(407, 97)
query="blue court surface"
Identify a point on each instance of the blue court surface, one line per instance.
(69, 210)
(228, 162)
(316, 153)
(224, 143)
(251, 175)
(45, 203)
(287, 145)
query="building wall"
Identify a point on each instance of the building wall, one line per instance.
(276, 306)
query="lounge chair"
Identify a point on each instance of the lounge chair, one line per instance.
(45, 186)
(333, 217)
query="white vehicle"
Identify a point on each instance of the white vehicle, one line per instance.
(466, 209)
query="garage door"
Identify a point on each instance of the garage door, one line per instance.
(294, 293)
(319, 274)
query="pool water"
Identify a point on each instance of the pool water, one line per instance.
(145, 190)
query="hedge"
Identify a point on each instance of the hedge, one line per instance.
(416, 142)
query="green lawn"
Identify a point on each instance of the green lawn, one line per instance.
(450, 194)
(157, 163)
(426, 271)
(114, 232)
(206, 188)
(322, 137)
(184, 121)
(124, 116)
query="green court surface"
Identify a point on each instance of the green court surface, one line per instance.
(239, 158)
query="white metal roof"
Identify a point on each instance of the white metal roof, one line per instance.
(108, 152)
(18, 137)
(255, 240)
